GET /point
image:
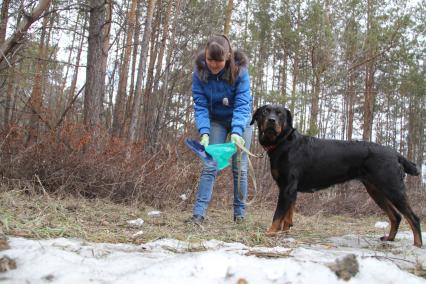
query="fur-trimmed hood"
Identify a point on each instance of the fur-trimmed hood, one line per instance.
(215, 98)
(241, 61)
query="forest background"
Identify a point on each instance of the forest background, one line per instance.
(95, 96)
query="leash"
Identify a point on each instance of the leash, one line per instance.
(241, 150)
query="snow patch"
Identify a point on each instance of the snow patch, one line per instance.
(168, 260)
(136, 223)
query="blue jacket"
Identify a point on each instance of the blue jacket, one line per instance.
(214, 98)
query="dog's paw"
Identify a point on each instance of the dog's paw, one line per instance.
(386, 239)
(286, 226)
(271, 233)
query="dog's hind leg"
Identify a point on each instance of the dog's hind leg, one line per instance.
(385, 205)
(400, 201)
(287, 220)
(388, 178)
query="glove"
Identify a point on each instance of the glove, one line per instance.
(204, 140)
(237, 139)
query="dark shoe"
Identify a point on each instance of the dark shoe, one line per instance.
(196, 219)
(239, 219)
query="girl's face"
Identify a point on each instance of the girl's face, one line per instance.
(215, 65)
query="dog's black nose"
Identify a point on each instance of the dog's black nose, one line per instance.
(271, 120)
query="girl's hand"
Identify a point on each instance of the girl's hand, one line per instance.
(237, 139)
(204, 140)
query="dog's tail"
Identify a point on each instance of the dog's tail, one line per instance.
(409, 167)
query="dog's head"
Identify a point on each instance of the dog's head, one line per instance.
(273, 122)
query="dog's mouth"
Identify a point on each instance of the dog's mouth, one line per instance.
(270, 132)
(272, 128)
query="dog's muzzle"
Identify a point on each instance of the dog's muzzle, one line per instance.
(271, 124)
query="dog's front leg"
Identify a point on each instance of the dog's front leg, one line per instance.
(287, 220)
(286, 201)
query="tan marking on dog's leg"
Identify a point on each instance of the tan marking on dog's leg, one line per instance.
(385, 204)
(287, 220)
(291, 213)
(417, 237)
(394, 219)
(274, 229)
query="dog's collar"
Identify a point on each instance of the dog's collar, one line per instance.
(271, 148)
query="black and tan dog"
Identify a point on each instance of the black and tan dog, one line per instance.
(301, 163)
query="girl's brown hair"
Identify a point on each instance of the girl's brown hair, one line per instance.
(219, 48)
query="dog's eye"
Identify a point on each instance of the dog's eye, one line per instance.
(265, 111)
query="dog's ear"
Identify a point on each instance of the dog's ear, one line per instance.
(289, 118)
(256, 115)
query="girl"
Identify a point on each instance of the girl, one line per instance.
(222, 104)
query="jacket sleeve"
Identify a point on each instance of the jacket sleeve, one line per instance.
(201, 105)
(243, 102)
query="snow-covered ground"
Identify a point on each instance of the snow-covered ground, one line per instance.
(171, 261)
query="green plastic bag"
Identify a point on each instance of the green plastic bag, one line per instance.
(221, 153)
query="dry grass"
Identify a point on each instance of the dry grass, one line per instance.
(57, 165)
(32, 215)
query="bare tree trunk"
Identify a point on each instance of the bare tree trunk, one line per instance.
(129, 103)
(70, 97)
(49, 94)
(414, 138)
(419, 159)
(303, 119)
(295, 65)
(120, 102)
(294, 82)
(284, 77)
(228, 17)
(351, 96)
(110, 88)
(402, 144)
(95, 75)
(369, 79)
(4, 19)
(36, 100)
(14, 95)
(410, 137)
(61, 95)
(22, 28)
(147, 100)
(142, 64)
(105, 48)
(368, 103)
(155, 100)
(313, 122)
(9, 91)
(259, 87)
(164, 107)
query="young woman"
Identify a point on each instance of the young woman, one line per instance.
(223, 105)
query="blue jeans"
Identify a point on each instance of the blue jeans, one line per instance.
(218, 133)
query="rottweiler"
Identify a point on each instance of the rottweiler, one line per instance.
(301, 163)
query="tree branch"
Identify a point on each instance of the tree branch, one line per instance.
(23, 27)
